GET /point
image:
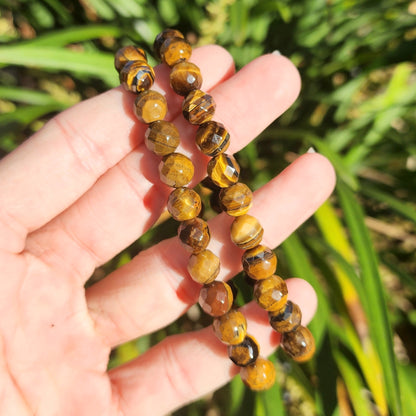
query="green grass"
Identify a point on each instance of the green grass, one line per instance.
(357, 107)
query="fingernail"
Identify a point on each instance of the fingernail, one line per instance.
(311, 150)
(276, 52)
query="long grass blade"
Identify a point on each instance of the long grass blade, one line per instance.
(380, 326)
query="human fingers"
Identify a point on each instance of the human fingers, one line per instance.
(123, 305)
(184, 367)
(129, 197)
(52, 169)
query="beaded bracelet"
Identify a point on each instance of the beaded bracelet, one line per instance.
(184, 204)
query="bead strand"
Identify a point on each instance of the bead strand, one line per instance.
(235, 198)
(198, 107)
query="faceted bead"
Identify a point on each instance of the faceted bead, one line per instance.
(246, 232)
(260, 375)
(204, 266)
(271, 293)
(162, 138)
(194, 235)
(223, 170)
(299, 344)
(137, 76)
(237, 199)
(216, 298)
(128, 53)
(150, 106)
(198, 107)
(162, 36)
(184, 204)
(185, 77)
(176, 170)
(212, 138)
(245, 353)
(259, 262)
(231, 328)
(287, 319)
(175, 50)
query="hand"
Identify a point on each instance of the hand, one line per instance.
(85, 187)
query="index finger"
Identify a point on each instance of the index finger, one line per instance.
(63, 160)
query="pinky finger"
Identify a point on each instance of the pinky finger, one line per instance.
(184, 367)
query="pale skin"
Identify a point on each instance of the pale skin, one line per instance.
(85, 187)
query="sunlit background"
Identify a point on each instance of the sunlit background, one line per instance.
(357, 107)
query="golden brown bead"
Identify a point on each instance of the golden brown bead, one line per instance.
(271, 293)
(204, 266)
(299, 344)
(237, 199)
(176, 170)
(150, 106)
(216, 298)
(260, 375)
(162, 36)
(128, 53)
(212, 138)
(223, 170)
(245, 353)
(175, 50)
(259, 262)
(231, 328)
(246, 232)
(137, 76)
(184, 204)
(287, 319)
(162, 138)
(194, 235)
(185, 77)
(198, 107)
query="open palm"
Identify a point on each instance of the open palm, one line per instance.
(85, 187)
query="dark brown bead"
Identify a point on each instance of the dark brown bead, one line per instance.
(237, 199)
(128, 53)
(260, 375)
(137, 76)
(162, 138)
(185, 77)
(214, 201)
(175, 50)
(150, 106)
(246, 232)
(198, 107)
(162, 36)
(271, 293)
(231, 328)
(184, 204)
(176, 170)
(245, 353)
(194, 235)
(204, 266)
(216, 298)
(259, 262)
(287, 319)
(212, 138)
(299, 344)
(223, 170)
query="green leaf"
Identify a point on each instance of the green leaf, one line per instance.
(403, 208)
(354, 384)
(93, 64)
(74, 34)
(27, 96)
(380, 328)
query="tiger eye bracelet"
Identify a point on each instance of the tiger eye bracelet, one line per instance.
(235, 198)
